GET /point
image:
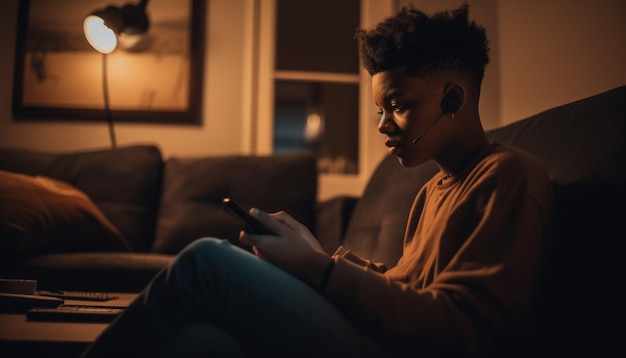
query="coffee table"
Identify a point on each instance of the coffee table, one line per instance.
(22, 338)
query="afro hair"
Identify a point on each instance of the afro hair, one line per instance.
(445, 41)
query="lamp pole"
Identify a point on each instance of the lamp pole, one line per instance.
(107, 108)
(102, 27)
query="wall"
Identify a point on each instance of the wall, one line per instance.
(220, 132)
(545, 53)
(558, 51)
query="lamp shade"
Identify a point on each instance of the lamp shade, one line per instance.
(102, 27)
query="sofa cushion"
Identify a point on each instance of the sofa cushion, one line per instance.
(193, 189)
(40, 215)
(124, 183)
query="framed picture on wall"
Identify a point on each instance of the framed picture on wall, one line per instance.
(156, 77)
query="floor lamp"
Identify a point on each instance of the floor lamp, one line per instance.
(103, 28)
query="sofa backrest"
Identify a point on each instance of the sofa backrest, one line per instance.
(193, 189)
(579, 143)
(124, 183)
(583, 147)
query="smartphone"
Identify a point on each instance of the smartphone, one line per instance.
(247, 222)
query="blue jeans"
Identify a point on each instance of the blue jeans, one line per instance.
(218, 300)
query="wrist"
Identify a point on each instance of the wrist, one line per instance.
(325, 277)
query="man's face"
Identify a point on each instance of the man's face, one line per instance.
(409, 107)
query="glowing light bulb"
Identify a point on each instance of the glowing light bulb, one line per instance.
(100, 36)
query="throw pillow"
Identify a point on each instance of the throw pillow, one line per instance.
(124, 183)
(41, 215)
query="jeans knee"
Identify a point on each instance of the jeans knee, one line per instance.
(204, 243)
(207, 257)
(203, 249)
(209, 252)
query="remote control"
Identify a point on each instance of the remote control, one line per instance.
(79, 295)
(74, 313)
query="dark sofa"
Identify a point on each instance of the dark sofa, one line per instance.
(166, 204)
(158, 206)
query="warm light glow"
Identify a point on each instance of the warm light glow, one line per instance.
(313, 128)
(100, 37)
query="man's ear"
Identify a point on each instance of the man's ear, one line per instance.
(453, 99)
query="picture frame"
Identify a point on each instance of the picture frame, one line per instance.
(59, 76)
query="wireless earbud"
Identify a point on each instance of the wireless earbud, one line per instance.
(449, 105)
(451, 102)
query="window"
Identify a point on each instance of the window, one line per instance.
(316, 82)
(307, 90)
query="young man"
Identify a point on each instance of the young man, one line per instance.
(472, 261)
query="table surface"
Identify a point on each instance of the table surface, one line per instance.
(15, 328)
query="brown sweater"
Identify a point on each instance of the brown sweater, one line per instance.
(474, 249)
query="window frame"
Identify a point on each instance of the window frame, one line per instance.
(259, 109)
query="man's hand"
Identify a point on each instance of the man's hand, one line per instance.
(294, 248)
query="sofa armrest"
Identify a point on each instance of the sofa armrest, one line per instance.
(332, 218)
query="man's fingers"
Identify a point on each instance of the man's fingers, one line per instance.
(267, 220)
